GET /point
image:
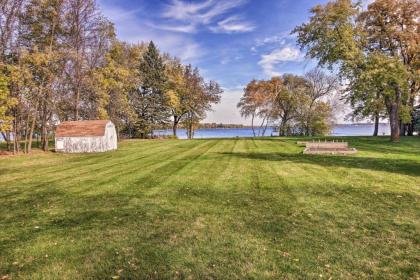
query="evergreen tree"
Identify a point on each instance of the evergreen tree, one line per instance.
(150, 100)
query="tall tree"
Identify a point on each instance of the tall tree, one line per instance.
(258, 100)
(316, 112)
(9, 19)
(150, 101)
(113, 82)
(248, 104)
(40, 33)
(287, 101)
(392, 27)
(176, 90)
(200, 96)
(83, 26)
(6, 102)
(334, 36)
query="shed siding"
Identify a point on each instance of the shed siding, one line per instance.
(88, 144)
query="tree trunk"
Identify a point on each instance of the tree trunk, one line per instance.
(44, 130)
(190, 130)
(261, 131)
(403, 128)
(265, 127)
(376, 130)
(410, 126)
(7, 139)
(45, 139)
(282, 129)
(25, 147)
(252, 124)
(394, 121)
(15, 143)
(175, 126)
(31, 132)
(76, 105)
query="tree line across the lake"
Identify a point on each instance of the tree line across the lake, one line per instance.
(60, 60)
(373, 52)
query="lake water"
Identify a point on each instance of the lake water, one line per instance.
(338, 130)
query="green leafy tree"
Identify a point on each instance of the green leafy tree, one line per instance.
(40, 31)
(113, 83)
(392, 27)
(335, 37)
(287, 101)
(200, 96)
(6, 102)
(176, 91)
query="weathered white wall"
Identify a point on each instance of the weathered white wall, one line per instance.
(111, 138)
(88, 144)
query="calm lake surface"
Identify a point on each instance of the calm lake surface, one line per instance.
(338, 130)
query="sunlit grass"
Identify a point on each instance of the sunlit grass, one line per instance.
(215, 209)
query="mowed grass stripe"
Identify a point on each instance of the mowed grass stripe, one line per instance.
(213, 208)
(68, 163)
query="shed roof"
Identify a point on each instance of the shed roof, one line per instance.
(81, 128)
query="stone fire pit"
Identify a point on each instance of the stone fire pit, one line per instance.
(328, 148)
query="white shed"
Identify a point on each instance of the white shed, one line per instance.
(85, 136)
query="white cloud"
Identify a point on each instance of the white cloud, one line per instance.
(181, 10)
(233, 24)
(270, 40)
(282, 39)
(183, 28)
(190, 51)
(205, 13)
(285, 54)
(131, 28)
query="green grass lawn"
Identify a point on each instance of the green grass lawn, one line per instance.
(213, 209)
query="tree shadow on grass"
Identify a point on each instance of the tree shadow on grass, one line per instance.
(405, 167)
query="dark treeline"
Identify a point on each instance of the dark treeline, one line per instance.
(60, 60)
(221, 125)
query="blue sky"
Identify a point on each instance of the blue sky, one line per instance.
(231, 41)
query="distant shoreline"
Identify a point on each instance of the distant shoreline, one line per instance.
(256, 126)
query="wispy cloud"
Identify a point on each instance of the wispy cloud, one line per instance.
(278, 39)
(182, 10)
(133, 28)
(208, 13)
(183, 28)
(270, 40)
(284, 54)
(233, 24)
